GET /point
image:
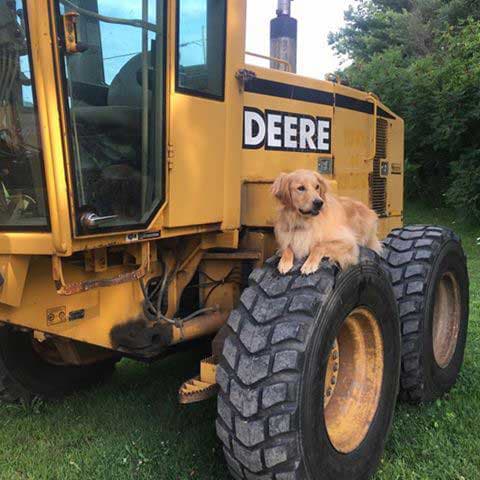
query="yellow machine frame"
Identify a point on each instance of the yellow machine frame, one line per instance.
(218, 213)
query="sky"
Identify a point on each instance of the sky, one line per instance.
(316, 18)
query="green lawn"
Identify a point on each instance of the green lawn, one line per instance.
(134, 428)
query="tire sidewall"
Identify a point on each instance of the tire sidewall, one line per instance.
(437, 379)
(365, 286)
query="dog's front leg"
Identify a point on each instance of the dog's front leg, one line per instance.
(286, 262)
(313, 261)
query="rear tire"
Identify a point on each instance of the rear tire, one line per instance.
(25, 375)
(429, 274)
(309, 373)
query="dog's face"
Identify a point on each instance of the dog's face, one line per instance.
(303, 191)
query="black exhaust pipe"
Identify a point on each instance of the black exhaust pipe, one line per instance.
(283, 37)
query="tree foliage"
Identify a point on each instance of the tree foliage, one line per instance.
(423, 58)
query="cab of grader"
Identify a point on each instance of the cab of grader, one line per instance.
(137, 154)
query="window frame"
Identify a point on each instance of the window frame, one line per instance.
(80, 231)
(47, 227)
(189, 91)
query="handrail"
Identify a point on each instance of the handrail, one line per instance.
(273, 59)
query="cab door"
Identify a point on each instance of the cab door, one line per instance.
(198, 114)
(113, 69)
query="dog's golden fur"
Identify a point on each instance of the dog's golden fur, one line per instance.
(313, 223)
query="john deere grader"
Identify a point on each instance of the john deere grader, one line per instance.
(137, 154)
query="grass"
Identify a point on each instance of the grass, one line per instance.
(133, 428)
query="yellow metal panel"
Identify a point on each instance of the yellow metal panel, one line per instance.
(259, 207)
(24, 243)
(395, 182)
(204, 184)
(387, 224)
(234, 117)
(353, 148)
(227, 239)
(103, 308)
(197, 170)
(49, 124)
(13, 269)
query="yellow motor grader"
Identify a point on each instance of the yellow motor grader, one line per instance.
(137, 152)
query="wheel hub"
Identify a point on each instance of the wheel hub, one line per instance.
(353, 380)
(331, 376)
(446, 319)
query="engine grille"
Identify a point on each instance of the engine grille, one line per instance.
(377, 183)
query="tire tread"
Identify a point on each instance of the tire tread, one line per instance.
(267, 404)
(409, 257)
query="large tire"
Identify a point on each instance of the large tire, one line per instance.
(25, 375)
(276, 414)
(429, 274)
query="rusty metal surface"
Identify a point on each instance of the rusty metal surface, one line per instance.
(331, 376)
(201, 387)
(355, 388)
(446, 319)
(148, 339)
(72, 288)
(194, 391)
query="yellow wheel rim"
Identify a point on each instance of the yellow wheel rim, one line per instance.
(446, 319)
(353, 380)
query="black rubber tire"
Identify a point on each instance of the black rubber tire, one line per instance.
(416, 258)
(271, 372)
(24, 375)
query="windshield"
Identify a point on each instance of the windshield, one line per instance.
(22, 190)
(115, 88)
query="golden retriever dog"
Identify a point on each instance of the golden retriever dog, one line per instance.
(313, 223)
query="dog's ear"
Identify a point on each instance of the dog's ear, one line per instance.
(324, 185)
(281, 189)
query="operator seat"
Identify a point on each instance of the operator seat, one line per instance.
(124, 101)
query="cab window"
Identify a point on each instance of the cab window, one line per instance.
(115, 91)
(201, 26)
(22, 187)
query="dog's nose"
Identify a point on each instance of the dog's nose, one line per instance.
(318, 203)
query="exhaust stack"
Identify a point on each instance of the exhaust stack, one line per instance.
(283, 37)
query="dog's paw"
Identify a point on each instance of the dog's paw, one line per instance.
(284, 266)
(309, 267)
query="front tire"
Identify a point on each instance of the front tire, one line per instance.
(25, 375)
(309, 373)
(428, 270)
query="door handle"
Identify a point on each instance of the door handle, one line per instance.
(91, 220)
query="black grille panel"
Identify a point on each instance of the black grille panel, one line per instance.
(377, 183)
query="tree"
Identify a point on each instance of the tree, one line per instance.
(423, 58)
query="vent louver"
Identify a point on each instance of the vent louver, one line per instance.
(377, 183)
